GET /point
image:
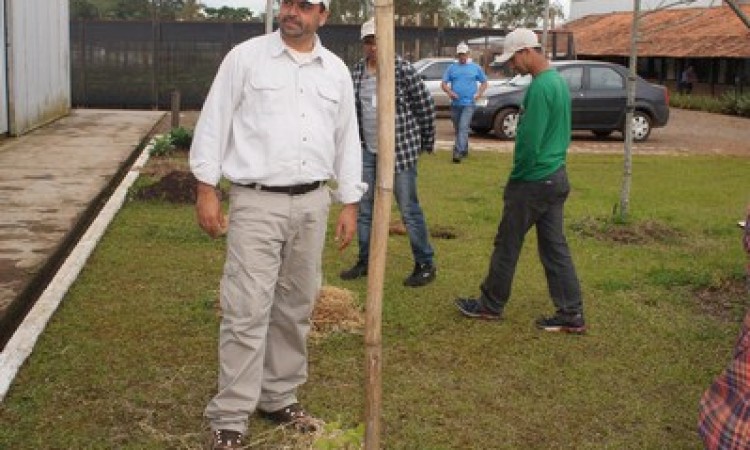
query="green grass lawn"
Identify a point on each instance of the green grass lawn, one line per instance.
(129, 359)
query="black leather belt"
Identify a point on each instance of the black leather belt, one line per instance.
(297, 189)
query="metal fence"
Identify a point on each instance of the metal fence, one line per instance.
(137, 65)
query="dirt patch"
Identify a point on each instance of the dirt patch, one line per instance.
(175, 187)
(441, 232)
(729, 301)
(397, 227)
(158, 167)
(646, 232)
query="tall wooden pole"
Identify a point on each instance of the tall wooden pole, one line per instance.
(386, 100)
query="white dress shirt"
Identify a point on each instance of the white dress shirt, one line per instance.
(272, 120)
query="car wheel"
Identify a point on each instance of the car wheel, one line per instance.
(505, 124)
(641, 126)
(601, 134)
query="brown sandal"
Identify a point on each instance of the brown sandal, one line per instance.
(293, 416)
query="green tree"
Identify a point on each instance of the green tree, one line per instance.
(191, 10)
(461, 15)
(525, 13)
(350, 11)
(131, 10)
(487, 14)
(225, 13)
(83, 10)
(422, 12)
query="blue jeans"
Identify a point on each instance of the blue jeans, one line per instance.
(461, 117)
(540, 204)
(405, 190)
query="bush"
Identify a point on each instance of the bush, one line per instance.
(732, 103)
(181, 137)
(162, 146)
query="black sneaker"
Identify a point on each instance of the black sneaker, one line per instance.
(423, 274)
(456, 159)
(473, 308)
(359, 270)
(560, 323)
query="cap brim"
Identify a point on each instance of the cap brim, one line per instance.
(505, 57)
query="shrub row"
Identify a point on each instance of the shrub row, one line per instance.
(732, 103)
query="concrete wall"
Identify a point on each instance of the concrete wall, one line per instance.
(3, 78)
(38, 59)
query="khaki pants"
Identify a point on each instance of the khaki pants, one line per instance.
(272, 276)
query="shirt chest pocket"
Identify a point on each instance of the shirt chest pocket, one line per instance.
(329, 100)
(265, 94)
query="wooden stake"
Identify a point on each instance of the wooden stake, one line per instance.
(175, 108)
(386, 100)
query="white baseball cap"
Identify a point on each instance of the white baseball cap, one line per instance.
(516, 40)
(462, 48)
(325, 3)
(368, 29)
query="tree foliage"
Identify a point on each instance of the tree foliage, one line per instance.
(525, 13)
(443, 13)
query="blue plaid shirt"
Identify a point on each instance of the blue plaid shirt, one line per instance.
(415, 113)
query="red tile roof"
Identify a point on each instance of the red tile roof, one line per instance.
(679, 32)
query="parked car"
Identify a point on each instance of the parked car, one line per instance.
(598, 95)
(432, 69)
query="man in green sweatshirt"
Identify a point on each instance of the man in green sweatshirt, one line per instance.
(535, 194)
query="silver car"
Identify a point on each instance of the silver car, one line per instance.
(431, 70)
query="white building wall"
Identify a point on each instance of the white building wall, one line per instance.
(38, 58)
(581, 8)
(3, 79)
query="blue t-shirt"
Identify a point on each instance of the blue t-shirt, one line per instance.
(463, 79)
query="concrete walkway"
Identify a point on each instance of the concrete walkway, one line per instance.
(52, 181)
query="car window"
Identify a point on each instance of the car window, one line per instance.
(436, 70)
(605, 78)
(573, 76)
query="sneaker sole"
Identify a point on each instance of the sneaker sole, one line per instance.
(349, 277)
(562, 329)
(420, 282)
(472, 315)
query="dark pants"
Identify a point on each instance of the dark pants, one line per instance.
(540, 204)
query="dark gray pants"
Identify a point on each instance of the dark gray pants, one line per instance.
(540, 204)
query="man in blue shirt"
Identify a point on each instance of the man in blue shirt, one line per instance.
(464, 82)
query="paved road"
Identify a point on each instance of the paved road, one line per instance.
(687, 132)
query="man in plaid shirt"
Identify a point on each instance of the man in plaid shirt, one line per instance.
(415, 133)
(724, 417)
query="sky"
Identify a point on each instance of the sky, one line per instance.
(260, 5)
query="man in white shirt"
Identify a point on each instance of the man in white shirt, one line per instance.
(278, 122)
